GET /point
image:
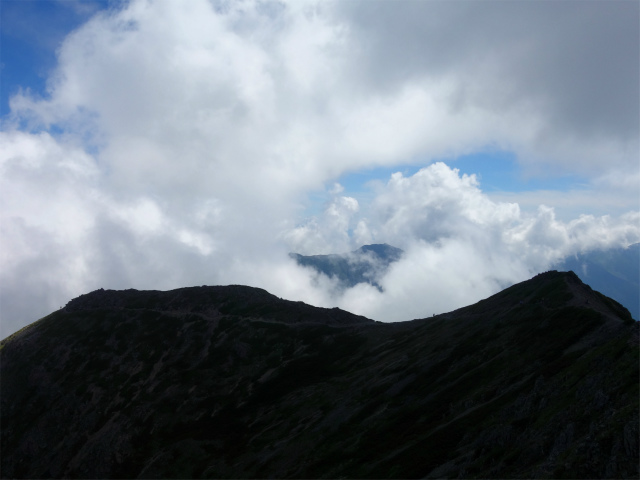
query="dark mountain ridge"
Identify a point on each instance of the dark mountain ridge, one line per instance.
(539, 380)
(207, 301)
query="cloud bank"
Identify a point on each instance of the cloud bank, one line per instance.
(460, 246)
(178, 143)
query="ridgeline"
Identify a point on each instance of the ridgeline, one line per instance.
(539, 380)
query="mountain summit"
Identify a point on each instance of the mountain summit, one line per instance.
(614, 272)
(539, 380)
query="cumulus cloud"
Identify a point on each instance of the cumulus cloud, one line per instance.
(328, 233)
(435, 203)
(178, 142)
(460, 246)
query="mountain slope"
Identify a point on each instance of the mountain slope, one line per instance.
(540, 380)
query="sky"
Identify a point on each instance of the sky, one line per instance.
(162, 144)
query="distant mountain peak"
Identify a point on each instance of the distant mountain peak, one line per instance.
(382, 250)
(367, 264)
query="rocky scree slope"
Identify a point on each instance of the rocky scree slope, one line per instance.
(540, 380)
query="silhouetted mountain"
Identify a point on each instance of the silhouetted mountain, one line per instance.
(539, 380)
(614, 272)
(364, 265)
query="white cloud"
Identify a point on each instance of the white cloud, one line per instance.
(330, 233)
(462, 247)
(435, 278)
(434, 203)
(178, 141)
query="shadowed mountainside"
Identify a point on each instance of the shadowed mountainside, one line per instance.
(539, 380)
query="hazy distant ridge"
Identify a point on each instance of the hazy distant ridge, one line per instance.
(364, 265)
